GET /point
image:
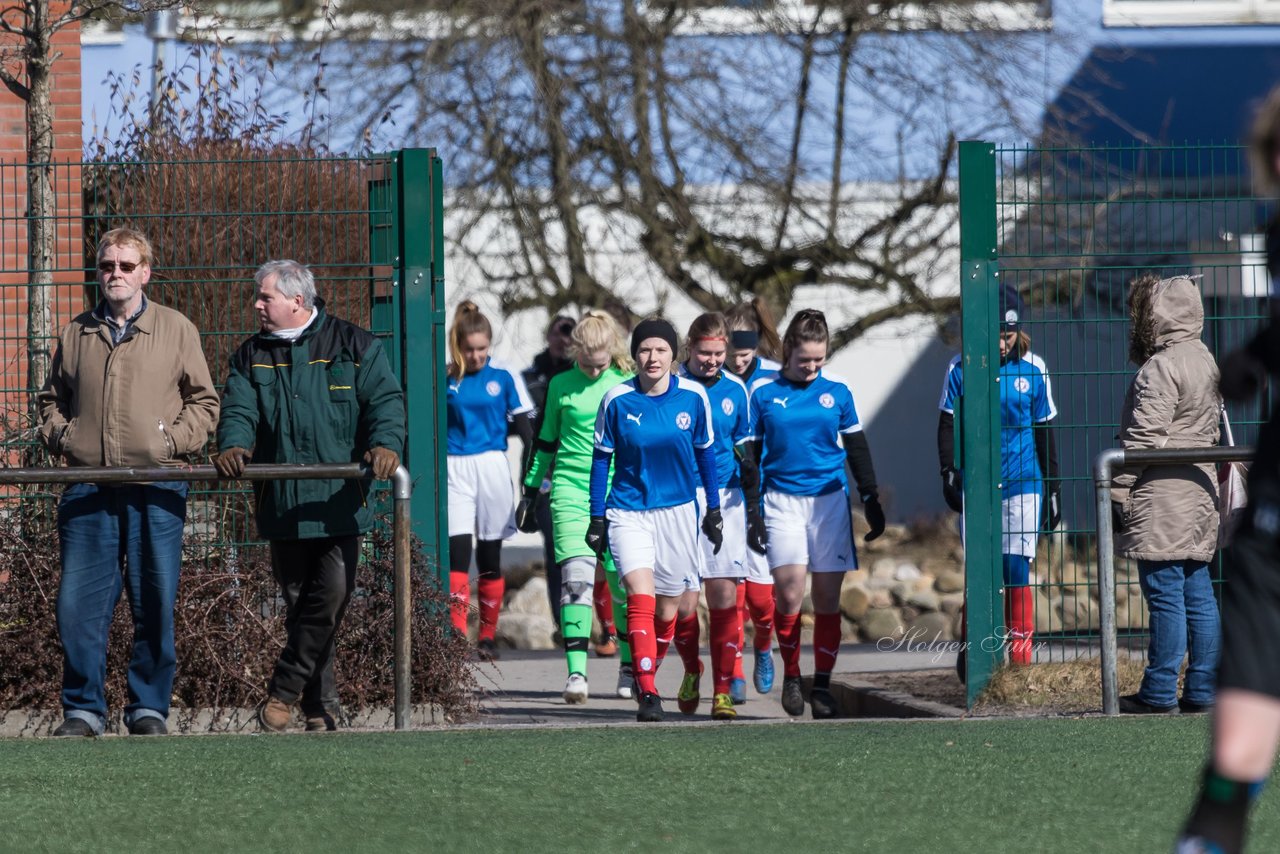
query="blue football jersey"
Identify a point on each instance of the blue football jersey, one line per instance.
(730, 421)
(653, 440)
(1026, 399)
(478, 406)
(801, 426)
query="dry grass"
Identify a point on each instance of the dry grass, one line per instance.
(1069, 686)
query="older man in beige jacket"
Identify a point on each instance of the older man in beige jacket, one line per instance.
(129, 386)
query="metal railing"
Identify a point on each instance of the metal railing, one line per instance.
(402, 490)
(1104, 468)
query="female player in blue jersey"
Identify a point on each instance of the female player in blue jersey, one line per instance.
(723, 570)
(481, 398)
(1027, 456)
(754, 346)
(809, 427)
(656, 430)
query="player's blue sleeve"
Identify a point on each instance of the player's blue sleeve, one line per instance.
(704, 435)
(1042, 408)
(742, 424)
(706, 457)
(599, 480)
(604, 427)
(517, 393)
(753, 415)
(952, 387)
(848, 412)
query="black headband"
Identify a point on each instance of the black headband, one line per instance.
(653, 328)
(745, 339)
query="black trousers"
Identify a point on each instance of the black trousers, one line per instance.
(542, 512)
(316, 579)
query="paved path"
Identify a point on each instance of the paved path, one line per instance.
(523, 688)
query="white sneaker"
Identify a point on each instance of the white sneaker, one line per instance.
(626, 682)
(575, 690)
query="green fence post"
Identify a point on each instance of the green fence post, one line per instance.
(980, 412)
(419, 210)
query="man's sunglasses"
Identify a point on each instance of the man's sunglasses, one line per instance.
(124, 266)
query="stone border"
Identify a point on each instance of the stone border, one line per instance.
(859, 699)
(40, 723)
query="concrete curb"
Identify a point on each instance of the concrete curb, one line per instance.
(859, 699)
(39, 723)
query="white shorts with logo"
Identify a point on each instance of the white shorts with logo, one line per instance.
(812, 530)
(731, 562)
(666, 540)
(1020, 524)
(481, 498)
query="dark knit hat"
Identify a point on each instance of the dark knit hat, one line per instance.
(654, 327)
(1010, 309)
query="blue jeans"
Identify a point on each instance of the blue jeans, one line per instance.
(1184, 616)
(113, 537)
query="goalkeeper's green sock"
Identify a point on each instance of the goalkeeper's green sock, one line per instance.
(575, 627)
(1221, 813)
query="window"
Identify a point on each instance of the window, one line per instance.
(1189, 13)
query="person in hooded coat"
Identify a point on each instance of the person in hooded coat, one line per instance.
(1166, 517)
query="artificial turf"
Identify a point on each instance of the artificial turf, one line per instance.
(1069, 785)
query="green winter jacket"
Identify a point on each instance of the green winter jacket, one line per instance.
(327, 397)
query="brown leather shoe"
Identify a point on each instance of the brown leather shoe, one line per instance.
(274, 715)
(322, 722)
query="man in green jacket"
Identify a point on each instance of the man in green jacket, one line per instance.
(309, 388)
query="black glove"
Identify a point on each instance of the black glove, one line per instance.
(1051, 513)
(713, 527)
(952, 491)
(526, 518)
(1117, 516)
(598, 536)
(875, 516)
(757, 533)
(1241, 375)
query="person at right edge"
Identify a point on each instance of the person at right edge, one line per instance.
(309, 388)
(1246, 714)
(1167, 516)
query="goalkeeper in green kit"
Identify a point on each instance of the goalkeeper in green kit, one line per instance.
(564, 446)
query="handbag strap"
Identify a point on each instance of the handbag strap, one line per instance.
(1228, 439)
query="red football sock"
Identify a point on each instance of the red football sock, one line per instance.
(602, 597)
(725, 624)
(644, 644)
(687, 641)
(760, 606)
(664, 631)
(826, 642)
(1020, 608)
(788, 629)
(741, 592)
(491, 590)
(459, 600)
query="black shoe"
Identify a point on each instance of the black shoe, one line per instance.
(650, 710)
(487, 650)
(792, 696)
(822, 704)
(1189, 708)
(1131, 705)
(74, 727)
(148, 726)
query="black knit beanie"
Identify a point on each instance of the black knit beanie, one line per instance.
(653, 328)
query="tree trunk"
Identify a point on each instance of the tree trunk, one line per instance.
(41, 200)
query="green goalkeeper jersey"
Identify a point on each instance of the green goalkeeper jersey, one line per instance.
(568, 425)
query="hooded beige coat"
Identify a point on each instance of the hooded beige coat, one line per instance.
(1170, 512)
